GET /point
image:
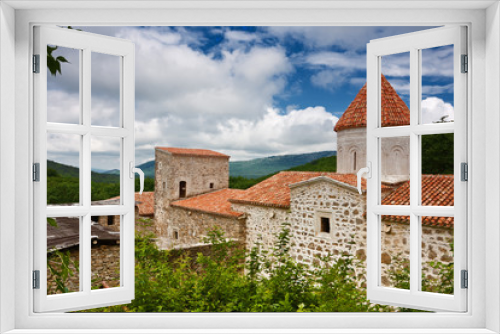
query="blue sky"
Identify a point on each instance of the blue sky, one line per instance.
(245, 91)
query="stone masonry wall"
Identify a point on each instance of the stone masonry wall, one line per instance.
(263, 223)
(395, 154)
(345, 209)
(197, 172)
(348, 230)
(105, 267)
(395, 239)
(192, 226)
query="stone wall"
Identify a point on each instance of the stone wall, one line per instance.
(395, 157)
(142, 223)
(348, 142)
(322, 199)
(263, 223)
(185, 227)
(105, 267)
(348, 231)
(112, 223)
(199, 173)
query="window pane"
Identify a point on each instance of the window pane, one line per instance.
(63, 85)
(395, 170)
(395, 252)
(105, 90)
(437, 85)
(395, 90)
(106, 169)
(437, 169)
(63, 168)
(63, 255)
(437, 254)
(105, 251)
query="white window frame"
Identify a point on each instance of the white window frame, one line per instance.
(413, 44)
(86, 44)
(484, 104)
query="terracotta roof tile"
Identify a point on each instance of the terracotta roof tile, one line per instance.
(394, 109)
(275, 191)
(145, 203)
(437, 190)
(215, 202)
(192, 152)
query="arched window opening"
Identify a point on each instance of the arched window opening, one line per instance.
(354, 161)
(182, 189)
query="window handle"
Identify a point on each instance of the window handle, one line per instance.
(141, 179)
(368, 171)
(134, 170)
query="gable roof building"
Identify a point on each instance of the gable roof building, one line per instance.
(324, 210)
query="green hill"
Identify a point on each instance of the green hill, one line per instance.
(264, 166)
(326, 164)
(70, 171)
(148, 168)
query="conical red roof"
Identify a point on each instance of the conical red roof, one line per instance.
(394, 109)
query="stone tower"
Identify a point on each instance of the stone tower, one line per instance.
(351, 136)
(182, 173)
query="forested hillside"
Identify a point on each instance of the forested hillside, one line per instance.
(264, 166)
(63, 184)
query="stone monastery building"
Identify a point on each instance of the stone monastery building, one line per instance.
(324, 210)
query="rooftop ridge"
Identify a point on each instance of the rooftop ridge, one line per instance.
(191, 152)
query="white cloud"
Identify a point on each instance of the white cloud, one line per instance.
(330, 79)
(332, 59)
(438, 89)
(63, 107)
(348, 37)
(298, 131)
(433, 109)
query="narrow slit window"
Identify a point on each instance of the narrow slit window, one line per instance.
(182, 189)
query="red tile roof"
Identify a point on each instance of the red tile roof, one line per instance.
(275, 191)
(394, 110)
(192, 152)
(437, 190)
(145, 203)
(215, 202)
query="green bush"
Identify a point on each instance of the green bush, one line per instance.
(233, 280)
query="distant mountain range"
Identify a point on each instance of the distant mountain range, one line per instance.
(250, 169)
(66, 170)
(264, 166)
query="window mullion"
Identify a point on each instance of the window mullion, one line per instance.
(414, 170)
(85, 244)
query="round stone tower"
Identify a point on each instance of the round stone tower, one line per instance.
(351, 136)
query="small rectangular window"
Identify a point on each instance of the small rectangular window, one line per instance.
(325, 225)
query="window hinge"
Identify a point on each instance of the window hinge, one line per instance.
(465, 279)
(36, 172)
(36, 63)
(465, 64)
(464, 171)
(36, 279)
